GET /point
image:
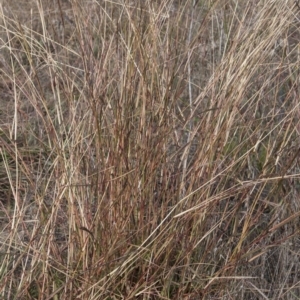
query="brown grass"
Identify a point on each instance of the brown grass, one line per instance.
(149, 149)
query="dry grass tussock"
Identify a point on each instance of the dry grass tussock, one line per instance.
(149, 149)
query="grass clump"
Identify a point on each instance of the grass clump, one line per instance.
(149, 150)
